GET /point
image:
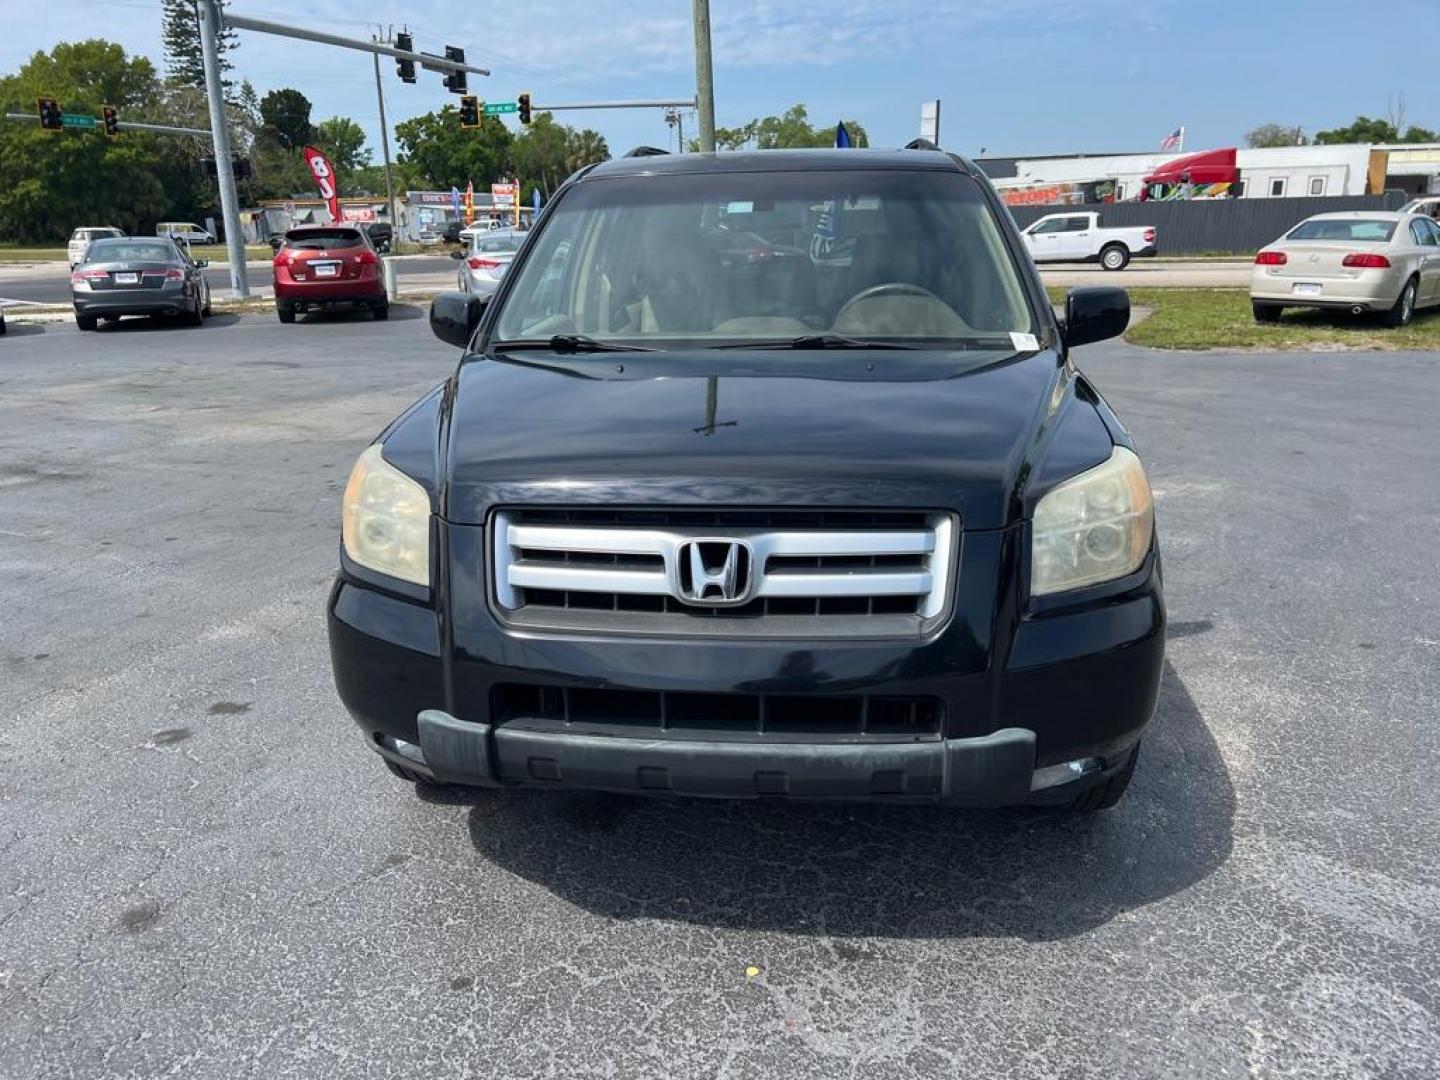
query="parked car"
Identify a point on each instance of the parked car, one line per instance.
(1081, 238)
(137, 275)
(485, 262)
(450, 234)
(870, 535)
(1429, 205)
(321, 265)
(186, 231)
(80, 241)
(381, 235)
(1355, 260)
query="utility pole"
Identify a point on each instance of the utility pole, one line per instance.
(704, 77)
(385, 151)
(220, 136)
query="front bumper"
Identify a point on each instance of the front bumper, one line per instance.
(1037, 706)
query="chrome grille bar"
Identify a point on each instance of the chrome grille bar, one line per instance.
(622, 560)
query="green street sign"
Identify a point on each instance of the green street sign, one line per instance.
(75, 120)
(500, 108)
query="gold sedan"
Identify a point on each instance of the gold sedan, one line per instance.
(1357, 261)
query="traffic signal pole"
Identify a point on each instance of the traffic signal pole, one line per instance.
(220, 136)
(385, 150)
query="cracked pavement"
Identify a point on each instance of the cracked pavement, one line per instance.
(203, 873)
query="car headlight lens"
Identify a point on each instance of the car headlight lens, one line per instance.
(385, 520)
(1094, 527)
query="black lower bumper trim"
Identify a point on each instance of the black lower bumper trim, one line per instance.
(991, 770)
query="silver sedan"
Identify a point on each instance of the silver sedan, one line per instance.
(1357, 261)
(486, 260)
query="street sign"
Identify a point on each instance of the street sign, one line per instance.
(500, 108)
(76, 120)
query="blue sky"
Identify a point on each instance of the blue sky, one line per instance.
(1015, 76)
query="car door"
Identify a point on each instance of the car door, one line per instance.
(1428, 239)
(1075, 237)
(1043, 238)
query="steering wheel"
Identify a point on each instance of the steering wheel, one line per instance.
(888, 288)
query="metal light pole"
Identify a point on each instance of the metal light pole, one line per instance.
(220, 135)
(385, 150)
(704, 77)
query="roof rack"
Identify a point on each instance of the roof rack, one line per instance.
(647, 151)
(921, 144)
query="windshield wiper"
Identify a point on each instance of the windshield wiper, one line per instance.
(578, 343)
(815, 341)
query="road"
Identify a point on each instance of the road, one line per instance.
(203, 873)
(50, 283)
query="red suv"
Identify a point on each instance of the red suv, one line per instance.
(328, 264)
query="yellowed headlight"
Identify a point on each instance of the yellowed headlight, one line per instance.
(385, 520)
(1094, 527)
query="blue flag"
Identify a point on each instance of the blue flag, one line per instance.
(537, 203)
(842, 137)
(455, 199)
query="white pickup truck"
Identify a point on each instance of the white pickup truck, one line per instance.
(1081, 238)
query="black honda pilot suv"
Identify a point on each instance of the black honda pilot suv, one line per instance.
(762, 475)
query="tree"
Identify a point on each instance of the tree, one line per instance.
(585, 147)
(1367, 129)
(180, 32)
(285, 116)
(1275, 135)
(343, 141)
(788, 130)
(442, 154)
(49, 182)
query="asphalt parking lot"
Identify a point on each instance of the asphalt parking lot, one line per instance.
(203, 873)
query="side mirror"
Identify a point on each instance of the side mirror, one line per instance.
(454, 317)
(457, 254)
(1095, 314)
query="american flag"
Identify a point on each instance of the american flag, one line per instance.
(1174, 140)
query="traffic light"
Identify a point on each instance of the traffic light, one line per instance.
(111, 116)
(50, 116)
(523, 103)
(455, 80)
(405, 68)
(469, 111)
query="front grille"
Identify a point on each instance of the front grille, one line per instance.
(665, 714)
(795, 572)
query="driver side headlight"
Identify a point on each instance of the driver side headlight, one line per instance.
(1094, 527)
(385, 520)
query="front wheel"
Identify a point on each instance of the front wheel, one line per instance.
(1105, 795)
(1265, 313)
(1115, 257)
(1404, 308)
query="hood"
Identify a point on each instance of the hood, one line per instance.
(919, 431)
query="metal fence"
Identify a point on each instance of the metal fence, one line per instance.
(1209, 225)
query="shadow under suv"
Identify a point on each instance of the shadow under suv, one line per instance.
(762, 475)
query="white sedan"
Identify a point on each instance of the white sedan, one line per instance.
(486, 260)
(1356, 260)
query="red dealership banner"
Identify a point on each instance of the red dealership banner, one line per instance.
(324, 174)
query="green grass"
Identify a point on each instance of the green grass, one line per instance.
(1221, 319)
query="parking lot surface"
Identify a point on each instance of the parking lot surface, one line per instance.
(203, 873)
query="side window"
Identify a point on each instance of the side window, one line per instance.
(1048, 225)
(1277, 187)
(1423, 233)
(1077, 224)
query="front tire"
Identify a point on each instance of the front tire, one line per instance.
(1115, 257)
(1265, 313)
(1105, 795)
(1404, 308)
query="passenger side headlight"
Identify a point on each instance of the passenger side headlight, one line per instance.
(385, 520)
(1094, 527)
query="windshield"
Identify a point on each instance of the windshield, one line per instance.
(129, 251)
(708, 259)
(1343, 229)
